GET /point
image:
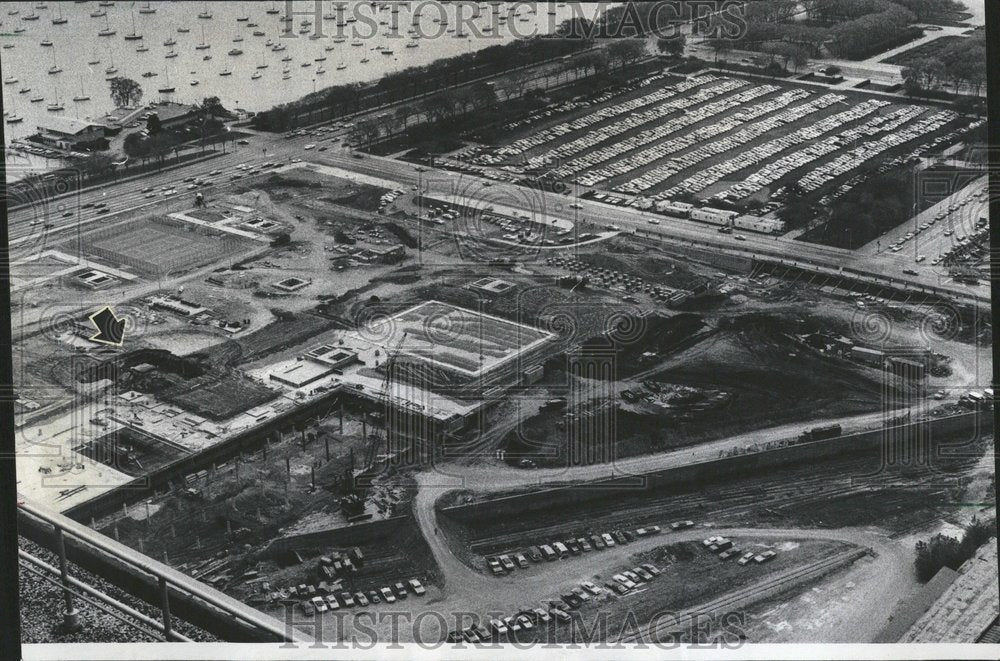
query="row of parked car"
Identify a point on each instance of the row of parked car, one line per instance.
(526, 619)
(765, 151)
(819, 142)
(867, 151)
(315, 602)
(777, 111)
(724, 548)
(682, 113)
(611, 278)
(617, 111)
(507, 562)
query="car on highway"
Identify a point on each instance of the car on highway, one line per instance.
(909, 272)
(147, 189)
(311, 145)
(654, 221)
(215, 173)
(67, 214)
(739, 237)
(243, 142)
(576, 205)
(677, 525)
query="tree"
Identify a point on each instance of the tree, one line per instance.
(153, 125)
(125, 92)
(135, 147)
(626, 51)
(672, 46)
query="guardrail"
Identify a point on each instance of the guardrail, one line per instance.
(171, 585)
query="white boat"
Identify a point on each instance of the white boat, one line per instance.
(24, 90)
(341, 66)
(193, 83)
(321, 70)
(168, 88)
(170, 42)
(273, 10)
(226, 72)
(171, 54)
(183, 30)
(36, 99)
(235, 51)
(107, 31)
(203, 45)
(365, 60)
(133, 35)
(9, 80)
(55, 68)
(14, 118)
(142, 47)
(81, 96)
(205, 14)
(255, 75)
(146, 9)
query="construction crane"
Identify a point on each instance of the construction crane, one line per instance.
(376, 439)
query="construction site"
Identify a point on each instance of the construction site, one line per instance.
(303, 428)
(546, 386)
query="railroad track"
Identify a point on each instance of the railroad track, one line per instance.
(742, 597)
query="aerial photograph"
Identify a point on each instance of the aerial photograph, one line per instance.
(509, 326)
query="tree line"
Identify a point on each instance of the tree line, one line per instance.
(848, 29)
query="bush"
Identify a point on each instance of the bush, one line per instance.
(944, 551)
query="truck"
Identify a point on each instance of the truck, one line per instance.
(820, 433)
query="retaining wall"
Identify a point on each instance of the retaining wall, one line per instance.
(684, 477)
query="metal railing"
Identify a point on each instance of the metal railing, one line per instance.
(167, 579)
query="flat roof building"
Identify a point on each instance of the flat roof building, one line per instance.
(71, 134)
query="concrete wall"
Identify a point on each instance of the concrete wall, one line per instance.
(144, 586)
(344, 537)
(683, 477)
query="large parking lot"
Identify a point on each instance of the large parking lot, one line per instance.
(713, 139)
